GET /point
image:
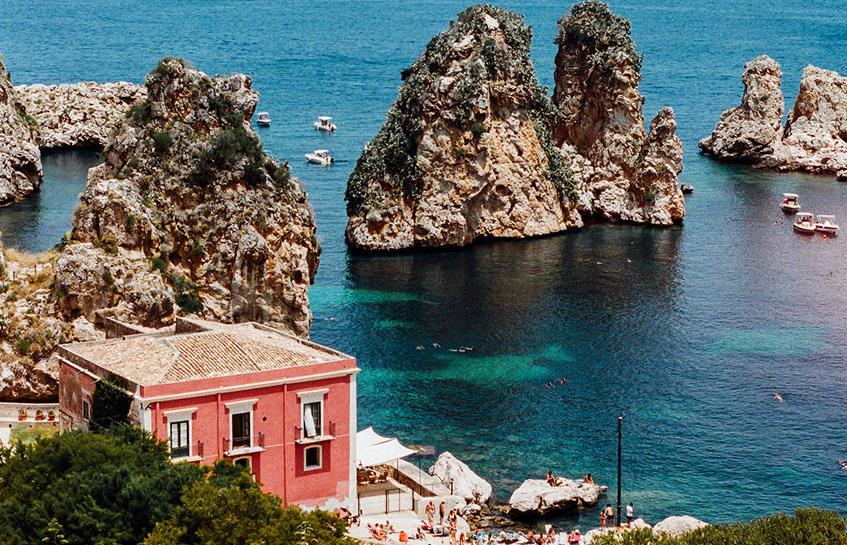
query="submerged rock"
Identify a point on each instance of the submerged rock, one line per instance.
(78, 114)
(465, 152)
(20, 159)
(624, 174)
(678, 525)
(474, 148)
(535, 498)
(466, 483)
(188, 214)
(814, 138)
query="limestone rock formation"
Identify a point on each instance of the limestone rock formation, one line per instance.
(625, 175)
(20, 159)
(78, 114)
(814, 138)
(465, 151)
(535, 498)
(474, 148)
(637, 524)
(678, 525)
(749, 132)
(188, 214)
(466, 483)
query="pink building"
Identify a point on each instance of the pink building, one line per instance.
(281, 406)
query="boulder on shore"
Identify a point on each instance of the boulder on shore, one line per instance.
(20, 158)
(678, 525)
(535, 498)
(466, 483)
(637, 524)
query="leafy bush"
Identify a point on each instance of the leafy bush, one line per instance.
(162, 142)
(140, 113)
(806, 527)
(650, 196)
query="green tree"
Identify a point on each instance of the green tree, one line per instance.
(55, 534)
(109, 487)
(110, 403)
(229, 507)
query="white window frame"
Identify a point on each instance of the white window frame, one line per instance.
(313, 396)
(181, 415)
(306, 466)
(240, 407)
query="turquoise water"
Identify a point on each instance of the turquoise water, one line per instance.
(688, 332)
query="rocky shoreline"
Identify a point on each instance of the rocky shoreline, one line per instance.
(814, 137)
(77, 114)
(475, 148)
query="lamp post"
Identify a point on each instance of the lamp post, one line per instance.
(620, 426)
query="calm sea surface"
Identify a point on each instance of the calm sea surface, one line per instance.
(688, 332)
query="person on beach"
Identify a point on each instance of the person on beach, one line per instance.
(442, 509)
(552, 480)
(430, 513)
(630, 514)
(603, 518)
(610, 515)
(588, 479)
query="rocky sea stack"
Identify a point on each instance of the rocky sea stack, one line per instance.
(188, 213)
(813, 139)
(186, 216)
(625, 174)
(20, 159)
(473, 147)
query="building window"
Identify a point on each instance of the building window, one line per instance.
(246, 462)
(241, 429)
(312, 457)
(313, 419)
(86, 410)
(179, 439)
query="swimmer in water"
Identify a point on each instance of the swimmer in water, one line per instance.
(777, 396)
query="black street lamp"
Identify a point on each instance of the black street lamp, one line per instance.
(620, 426)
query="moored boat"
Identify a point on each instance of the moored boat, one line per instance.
(804, 223)
(263, 119)
(826, 224)
(790, 203)
(320, 157)
(324, 123)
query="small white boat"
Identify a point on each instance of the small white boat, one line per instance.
(790, 203)
(826, 224)
(804, 223)
(324, 123)
(320, 157)
(263, 119)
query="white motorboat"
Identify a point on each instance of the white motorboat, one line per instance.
(263, 119)
(790, 203)
(804, 223)
(826, 224)
(324, 123)
(320, 157)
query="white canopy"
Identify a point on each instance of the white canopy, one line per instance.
(373, 449)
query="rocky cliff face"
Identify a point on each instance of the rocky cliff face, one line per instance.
(78, 114)
(813, 139)
(465, 152)
(474, 148)
(188, 214)
(625, 174)
(20, 160)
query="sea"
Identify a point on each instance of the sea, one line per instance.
(686, 332)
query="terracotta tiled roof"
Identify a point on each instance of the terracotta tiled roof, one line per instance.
(166, 357)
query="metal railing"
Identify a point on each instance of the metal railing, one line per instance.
(330, 427)
(244, 441)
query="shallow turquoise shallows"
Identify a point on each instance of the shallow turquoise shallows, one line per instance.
(688, 332)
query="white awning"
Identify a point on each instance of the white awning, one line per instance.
(373, 449)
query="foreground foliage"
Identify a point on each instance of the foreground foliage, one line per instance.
(117, 486)
(805, 527)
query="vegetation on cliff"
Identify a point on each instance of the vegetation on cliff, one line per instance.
(593, 25)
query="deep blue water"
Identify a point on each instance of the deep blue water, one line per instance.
(688, 332)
